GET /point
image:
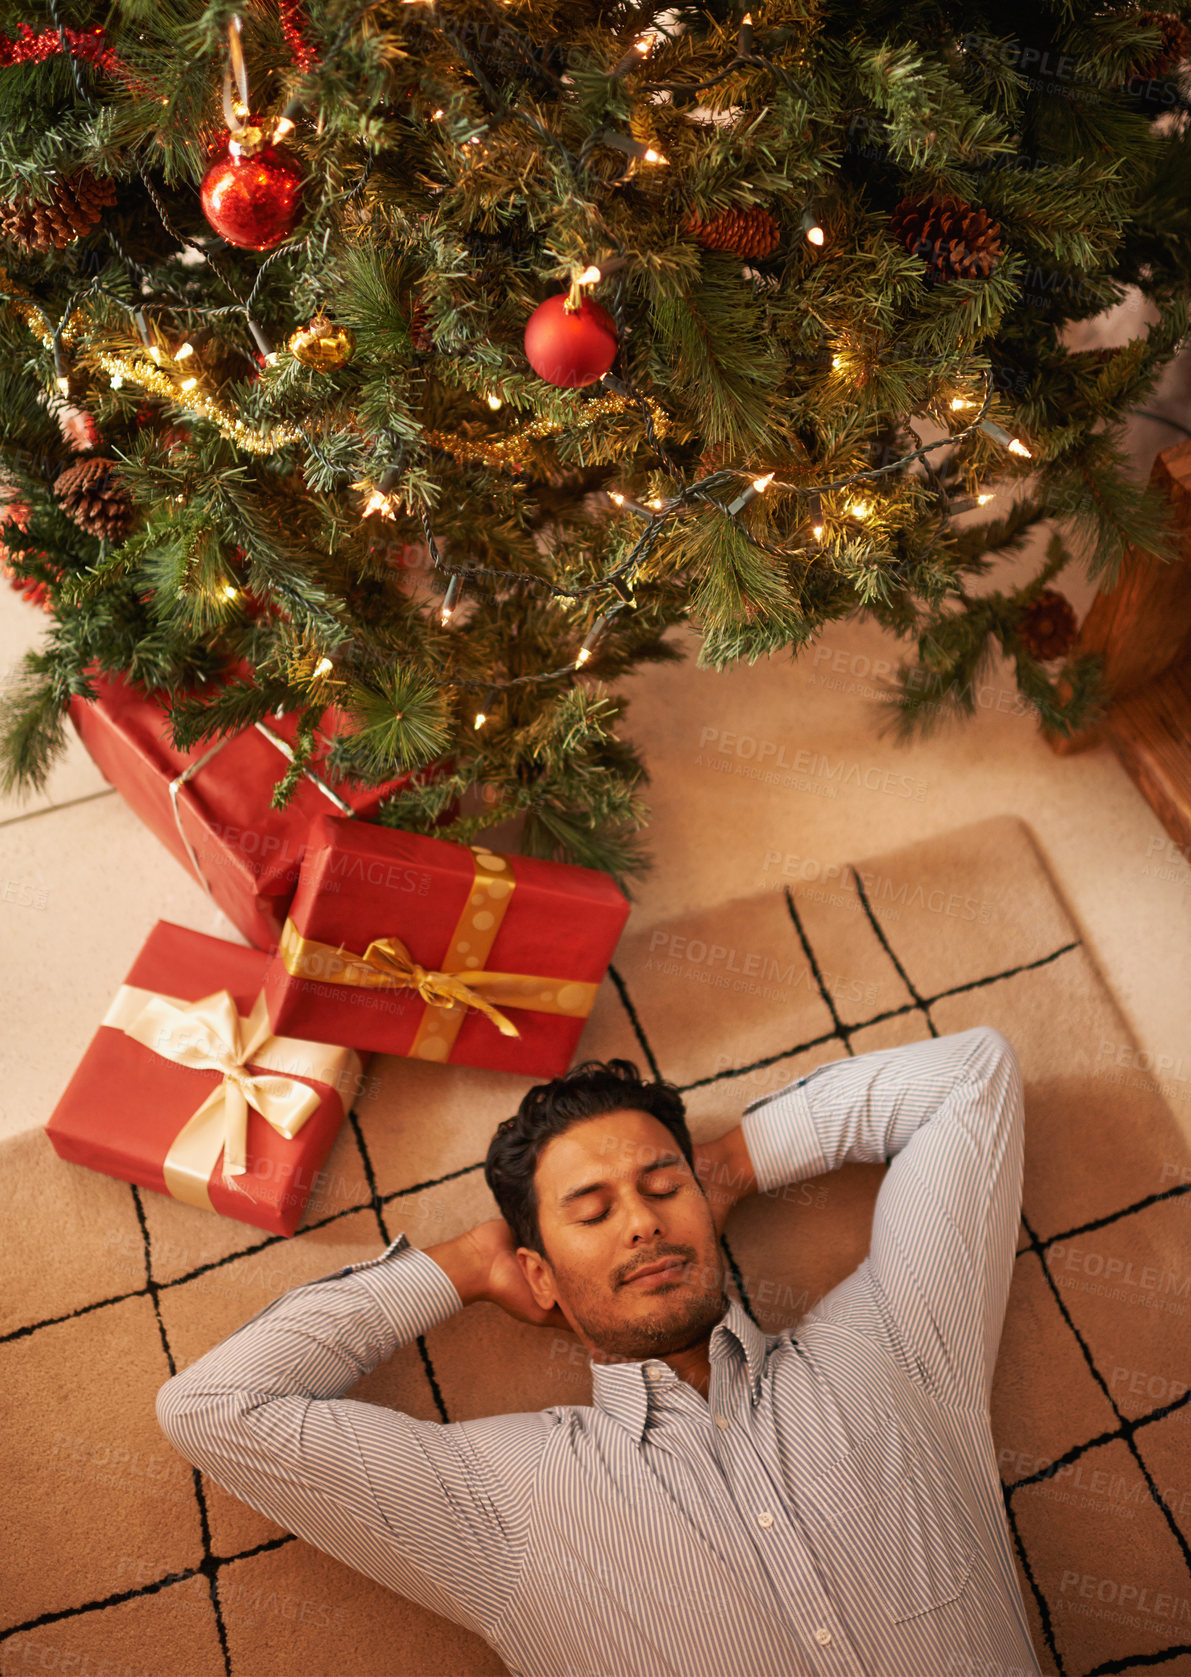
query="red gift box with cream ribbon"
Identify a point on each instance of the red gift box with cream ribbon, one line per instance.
(410, 945)
(186, 1090)
(210, 805)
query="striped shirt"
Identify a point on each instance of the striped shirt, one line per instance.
(835, 1508)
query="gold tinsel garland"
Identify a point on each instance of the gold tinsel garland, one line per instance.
(135, 367)
(510, 451)
(135, 370)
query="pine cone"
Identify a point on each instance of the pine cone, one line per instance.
(1047, 625)
(958, 240)
(91, 494)
(77, 205)
(753, 233)
(1176, 42)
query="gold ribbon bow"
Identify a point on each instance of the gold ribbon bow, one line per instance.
(388, 955)
(211, 1035)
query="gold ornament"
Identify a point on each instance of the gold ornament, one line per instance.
(322, 346)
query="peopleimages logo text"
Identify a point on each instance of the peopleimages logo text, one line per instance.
(772, 755)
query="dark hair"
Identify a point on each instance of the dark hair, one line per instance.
(549, 1109)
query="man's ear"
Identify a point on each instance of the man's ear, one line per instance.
(538, 1275)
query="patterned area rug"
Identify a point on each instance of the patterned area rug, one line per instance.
(118, 1560)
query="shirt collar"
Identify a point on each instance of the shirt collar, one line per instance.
(625, 1390)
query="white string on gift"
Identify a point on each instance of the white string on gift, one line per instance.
(188, 773)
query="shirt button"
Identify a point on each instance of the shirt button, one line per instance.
(822, 1636)
(653, 1374)
(765, 1519)
(722, 1422)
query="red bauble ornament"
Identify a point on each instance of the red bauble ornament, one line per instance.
(570, 347)
(252, 193)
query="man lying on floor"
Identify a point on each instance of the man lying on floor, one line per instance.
(733, 1503)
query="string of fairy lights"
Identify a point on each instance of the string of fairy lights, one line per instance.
(172, 373)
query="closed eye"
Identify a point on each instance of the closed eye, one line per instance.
(663, 1196)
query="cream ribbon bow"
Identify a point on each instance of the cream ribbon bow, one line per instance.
(211, 1035)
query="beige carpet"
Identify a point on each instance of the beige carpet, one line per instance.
(122, 1562)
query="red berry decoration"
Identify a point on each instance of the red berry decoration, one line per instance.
(569, 347)
(252, 193)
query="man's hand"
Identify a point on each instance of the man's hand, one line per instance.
(726, 1173)
(498, 1276)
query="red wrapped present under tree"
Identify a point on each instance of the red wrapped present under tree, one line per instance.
(210, 805)
(410, 945)
(184, 1088)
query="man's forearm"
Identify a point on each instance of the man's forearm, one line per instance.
(458, 1260)
(734, 1166)
(725, 1170)
(314, 1342)
(866, 1108)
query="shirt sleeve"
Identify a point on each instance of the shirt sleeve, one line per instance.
(948, 1113)
(436, 1512)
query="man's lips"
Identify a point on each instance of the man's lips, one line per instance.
(666, 1270)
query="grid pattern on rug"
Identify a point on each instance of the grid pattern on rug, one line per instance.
(841, 1033)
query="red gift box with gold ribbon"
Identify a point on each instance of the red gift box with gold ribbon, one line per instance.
(449, 952)
(210, 805)
(186, 1089)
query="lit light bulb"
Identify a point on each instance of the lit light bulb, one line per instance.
(378, 503)
(810, 226)
(450, 600)
(837, 361)
(323, 667)
(284, 127)
(999, 434)
(590, 276)
(860, 509)
(480, 719)
(815, 235)
(435, 115)
(63, 384)
(188, 383)
(817, 532)
(155, 354)
(644, 45)
(228, 592)
(959, 403)
(494, 401)
(757, 487)
(652, 156)
(271, 358)
(654, 501)
(183, 351)
(615, 495)
(593, 635)
(989, 495)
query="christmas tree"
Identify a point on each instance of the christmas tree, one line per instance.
(422, 362)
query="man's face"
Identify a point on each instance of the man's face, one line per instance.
(615, 1195)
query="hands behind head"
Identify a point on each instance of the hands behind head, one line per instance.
(500, 1279)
